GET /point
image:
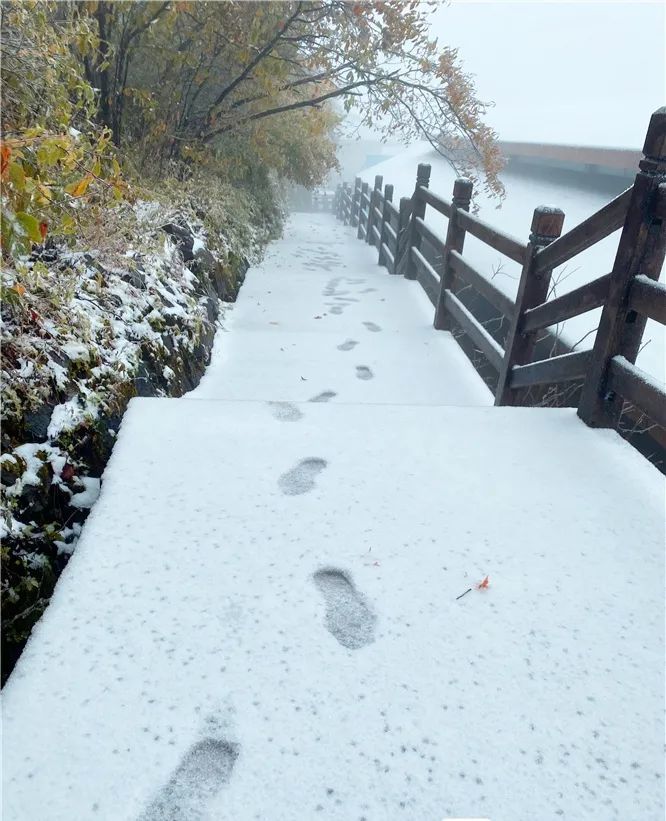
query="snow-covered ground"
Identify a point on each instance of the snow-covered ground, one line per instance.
(319, 316)
(267, 618)
(523, 195)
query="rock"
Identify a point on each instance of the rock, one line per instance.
(169, 344)
(37, 422)
(204, 262)
(136, 279)
(142, 381)
(183, 237)
(212, 309)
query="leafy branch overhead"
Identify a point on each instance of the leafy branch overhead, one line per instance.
(200, 76)
(97, 92)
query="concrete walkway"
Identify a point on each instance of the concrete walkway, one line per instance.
(267, 618)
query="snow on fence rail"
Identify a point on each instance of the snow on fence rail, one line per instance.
(628, 294)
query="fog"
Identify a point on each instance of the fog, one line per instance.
(586, 73)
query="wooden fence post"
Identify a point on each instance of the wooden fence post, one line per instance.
(641, 251)
(533, 290)
(345, 214)
(364, 191)
(388, 198)
(374, 200)
(356, 199)
(337, 201)
(418, 210)
(404, 211)
(455, 241)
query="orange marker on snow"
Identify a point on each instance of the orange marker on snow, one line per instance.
(484, 585)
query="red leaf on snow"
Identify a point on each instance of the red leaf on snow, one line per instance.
(43, 228)
(484, 585)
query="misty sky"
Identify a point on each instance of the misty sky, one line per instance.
(571, 72)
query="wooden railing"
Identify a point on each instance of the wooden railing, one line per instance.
(628, 295)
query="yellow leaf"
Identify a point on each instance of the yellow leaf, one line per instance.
(78, 189)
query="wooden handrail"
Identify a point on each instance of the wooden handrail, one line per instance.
(630, 295)
(391, 231)
(426, 275)
(493, 352)
(562, 368)
(587, 233)
(504, 304)
(504, 243)
(386, 248)
(579, 301)
(637, 387)
(429, 235)
(434, 200)
(648, 298)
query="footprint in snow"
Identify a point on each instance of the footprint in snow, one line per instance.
(348, 345)
(372, 326)
(363, 372)
(201, 774)
(285, 411)
(301, 478)
(324, 396)
(349, 617)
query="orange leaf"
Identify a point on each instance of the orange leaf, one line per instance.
(20, 290)
(43, 228)
(484, 585)
(5, 154)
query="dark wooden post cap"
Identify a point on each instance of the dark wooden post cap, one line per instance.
(654, 147)
(462, 192)
(405, 203)
(365, 186)
(378, 181)
(388, 192)
(357, 182)
(547, 223)
(655, 139)
(423, 174)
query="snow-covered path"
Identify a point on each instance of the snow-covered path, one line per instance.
(320, 317)
(263, 619)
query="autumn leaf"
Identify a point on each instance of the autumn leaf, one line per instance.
(484, 585)
(67, 472)
(78, 189)
(20, 290)
(43, 228)
(5, 154)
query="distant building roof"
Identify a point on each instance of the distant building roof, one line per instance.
(622, 161)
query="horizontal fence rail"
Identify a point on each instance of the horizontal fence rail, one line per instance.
(637, 387)
(586, 298)
(434, 200)
(628, 295)
(592, 230)
(563, 368)
(505, 244)
(648, 297)
(504, 304)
